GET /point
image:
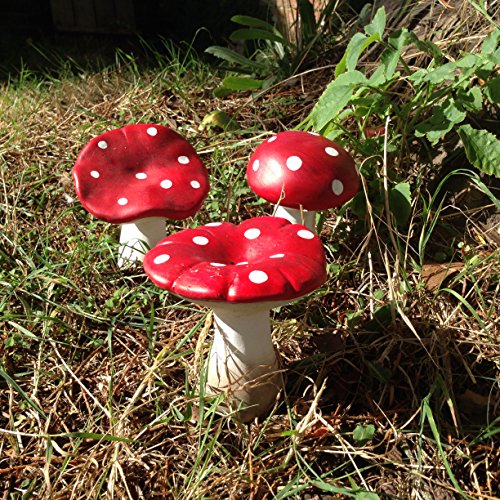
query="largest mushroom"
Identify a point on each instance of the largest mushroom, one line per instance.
(138, 176)
(241, 272)
(302, 172)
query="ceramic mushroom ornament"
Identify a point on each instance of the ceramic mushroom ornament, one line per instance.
(241, 272)
(302, 172)
(138, 176)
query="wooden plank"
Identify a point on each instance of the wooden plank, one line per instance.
(125, 15)
(62, 14)
(85, 18)
(105, 14)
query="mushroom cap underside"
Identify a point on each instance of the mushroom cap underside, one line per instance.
(263, 259)
(140, 171)
(302, 170)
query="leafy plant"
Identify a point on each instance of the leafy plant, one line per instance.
(396, 106)
(269, 54)
(439, 97)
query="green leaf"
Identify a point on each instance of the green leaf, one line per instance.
(241, 83)
(330, 488)
(492, 90)
(490, 42)
(337, 94)
(377, 26)
(233, 57)
(218, 119)
(444, 116)
(482, 149)
(255, 34)
(439, 75)
(367, 495)
(400, 203)
(252, 22)
(470, 99)
(358, 44)
(390, 57)
(363, 433)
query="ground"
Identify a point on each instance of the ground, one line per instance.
(391, 367)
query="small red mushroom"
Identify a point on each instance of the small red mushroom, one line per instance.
(138, 176)
(241, 272)
(302, 172)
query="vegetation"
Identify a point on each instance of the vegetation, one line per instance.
(392, 367)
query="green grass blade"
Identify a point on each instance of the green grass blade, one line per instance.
(18, 389)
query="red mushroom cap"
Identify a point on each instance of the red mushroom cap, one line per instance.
(263, 259)
(303, 169)
(140, 171)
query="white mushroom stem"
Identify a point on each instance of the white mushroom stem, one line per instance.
(137, 238)
(242, 361)
(305, 217)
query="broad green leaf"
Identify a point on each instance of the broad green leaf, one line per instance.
(492, 90)
(255, 34)
(400, 203)
(439, 75)
(470, 99)
(363, 433)
(358, 44)
(252, 22)
(337, 94)
(482, 149)
(490, 43)
(444, 117)
(377, 26)
(233, 57)
(241, 83)
(390, 57)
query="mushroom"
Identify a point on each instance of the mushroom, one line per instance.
(302, 172)
(138, 176)
(241, 272)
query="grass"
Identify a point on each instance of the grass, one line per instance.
(392, 383)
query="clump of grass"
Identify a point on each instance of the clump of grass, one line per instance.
(392, 381)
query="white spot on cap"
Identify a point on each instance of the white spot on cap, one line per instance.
(242, 263)
(183, 160)
(313, 133)
(256, 165)
(195, 184)
(277, 256)
(251, 234)
(337, 187)
(305, 234)
(217, 264)
(273, 138)
(293, 163)
(161, 259)
(95, 174)
(152, 131)
(122, 201)
(331, 151)
(141, 175)
(214, 224)
(102, 144)
(166, 184)
(200, 240)
(258, 277)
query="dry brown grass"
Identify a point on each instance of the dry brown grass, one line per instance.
(106, 359)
